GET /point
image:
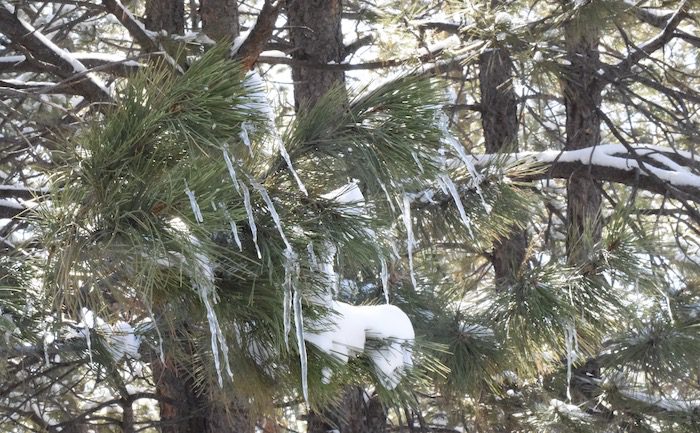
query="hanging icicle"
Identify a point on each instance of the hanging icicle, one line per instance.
(231, 169)
(246, 129)
(288, 160)
(273, 212)
(452, 188)
(299, 323)
(410, 241)
(251, 218)
(193, 203)
(476, 177)
(312, 256)
(203, 282)
(388, 197)
(571, 343)
(234, 228)
(291, 271)
(385, 277)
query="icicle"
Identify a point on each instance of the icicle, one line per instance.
(385, 278)
(291, 272)
(234, 228)
(48, 339)
(312, 256)
(234, 231)
(251, 218)
(288, 160)
(388, 197)
(417, 160)
(570, 341)
(328, 269)
(410, 241)
(476, 177)
(273, 212)
(231, 169)
(203, 282)
(452, 188)
(244, 136)
(193, 203)
(299, 323)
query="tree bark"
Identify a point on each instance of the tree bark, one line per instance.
(582, 97)
(500, 125)
(354, 414)
(197, 409)
(316, 35)
(315, 32)
(219, 18)
(168, 15)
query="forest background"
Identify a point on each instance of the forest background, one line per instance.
(362, 216)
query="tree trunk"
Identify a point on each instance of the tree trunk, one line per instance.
(168, 15)
(354, 414)
(500, 124)
(582, 96)
(197, 409)
(316, 36)
(219, 18)
(315, 32)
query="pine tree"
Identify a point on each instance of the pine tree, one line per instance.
(535, 309)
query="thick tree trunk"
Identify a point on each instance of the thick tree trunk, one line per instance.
(168, 15)
(582, 96)
(197, 409)
(315, 31)
(500, 124)
(354, 414)
(219, 18)
(316, 36)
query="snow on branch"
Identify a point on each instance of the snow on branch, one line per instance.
(654, 168)
(49, 56)
(665, 404)
(146, 38)
(657, 42)
(95, 62)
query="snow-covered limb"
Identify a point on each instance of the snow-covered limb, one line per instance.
(661, 403)
(654, 168)
(57, 60)
(136, 28)
(107, 63)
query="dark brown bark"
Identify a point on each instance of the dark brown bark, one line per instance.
(196, 410)
(582, 97)
(316, 36)
(500, 125)
(354, 414)
(168, 15)
(219, 18)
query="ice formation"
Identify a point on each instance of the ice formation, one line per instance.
(251, 218)
(410, 240)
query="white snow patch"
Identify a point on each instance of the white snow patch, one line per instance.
(389, 329)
